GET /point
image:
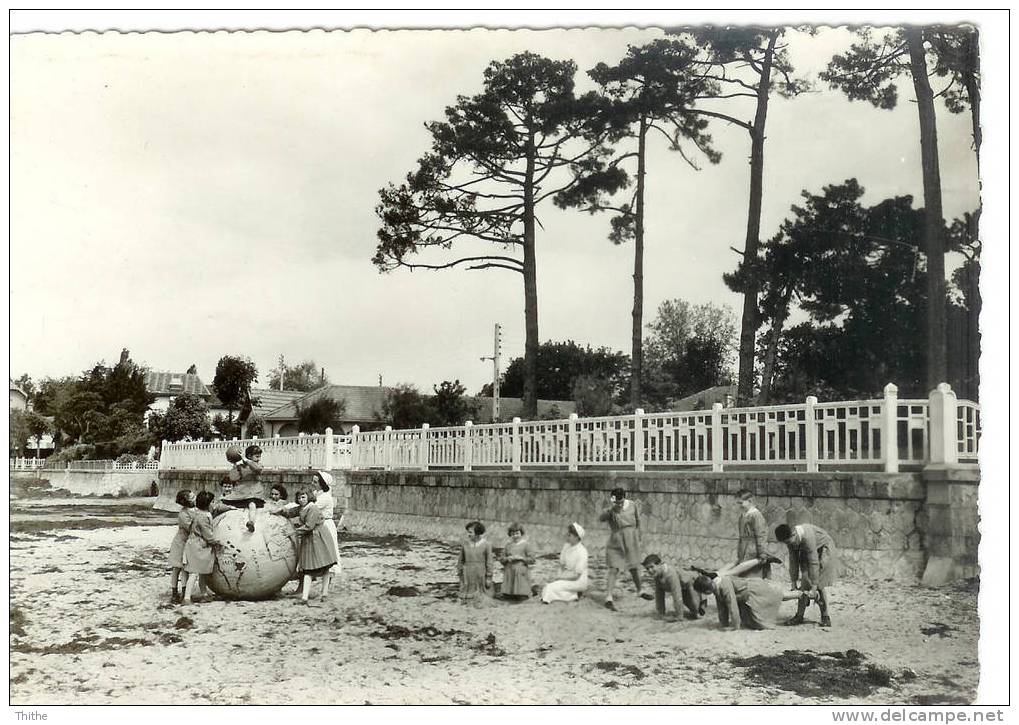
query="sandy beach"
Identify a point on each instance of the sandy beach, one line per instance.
(91, 623)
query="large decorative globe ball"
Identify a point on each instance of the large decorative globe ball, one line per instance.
(253, 564)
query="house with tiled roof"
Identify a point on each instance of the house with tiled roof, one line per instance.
(363, 407)
(165, 386)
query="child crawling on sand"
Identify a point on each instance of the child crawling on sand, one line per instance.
(679, 584)
(474, 566)
(186, 500)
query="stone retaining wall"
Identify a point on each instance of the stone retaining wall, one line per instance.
(877, 519)
(884, 524)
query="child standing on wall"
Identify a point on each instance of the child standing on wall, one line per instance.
(474, 567)
(517, 560)
(247, 490)
(186, 500)
(199, 551)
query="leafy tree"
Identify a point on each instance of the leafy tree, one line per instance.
(858, 274)
(689, 348)
(187, 417)
(305, 377)
(26, 385)
(53, 394)
(254, 426)
(493, 161)
(233, 381)
(406, 407)
(593, 396)
(37, 426)
(652, 88)
(747, 62)
(225, 427)
(323, 413)
(451, 407)
(868, 71)
(19, 432)
(560, 364)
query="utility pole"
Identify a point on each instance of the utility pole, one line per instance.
(496, 352)
(283, 371)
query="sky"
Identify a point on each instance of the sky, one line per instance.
(192, 195)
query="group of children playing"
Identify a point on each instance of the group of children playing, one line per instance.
(194, 546)
(745, 596)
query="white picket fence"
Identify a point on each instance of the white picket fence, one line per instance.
(885, 433)
(321, 451)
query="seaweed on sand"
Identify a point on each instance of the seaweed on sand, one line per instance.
(816, 674)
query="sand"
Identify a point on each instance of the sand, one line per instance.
(92, 624)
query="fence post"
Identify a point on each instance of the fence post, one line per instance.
(329, 449)
(571, 442)
(515, 443)
(890, 428)
(468, 451)
(810, 433)
(717, 459)
(354, 457)
(387, 448)
(638, 440)
(944, 434)
(423, 447)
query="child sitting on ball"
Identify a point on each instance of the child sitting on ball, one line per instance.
(247, 490)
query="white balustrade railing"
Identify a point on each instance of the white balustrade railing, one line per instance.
(882, 433)
(320, 451)
(27, 464)
(33, 464)
(968, 430)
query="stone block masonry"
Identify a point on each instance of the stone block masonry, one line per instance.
(884, 523)
(688, 518)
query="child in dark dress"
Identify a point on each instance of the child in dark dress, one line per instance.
(517, 559)
(186, 500)
(315, 556)
(474, 566)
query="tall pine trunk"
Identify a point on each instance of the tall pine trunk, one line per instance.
(750, 318)
(771, 354)
(530, 293)
(637, 343)
(933, 220)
